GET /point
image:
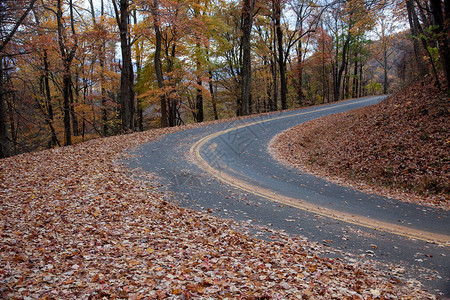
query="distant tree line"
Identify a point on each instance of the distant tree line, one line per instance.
(73, 70)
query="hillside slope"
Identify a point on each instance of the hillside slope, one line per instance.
(395, 147)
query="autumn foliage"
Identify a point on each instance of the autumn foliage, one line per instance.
(64, 79)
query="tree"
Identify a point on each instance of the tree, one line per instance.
(424, 36)
(7, 36)
(67, 49)
(442, 29)
(157, 61)
(127, 75)
(281, 60)
(46, 107)
(195, 60)
(307, 17)
(342, 38)
(138, 59)
(324, 52)
(349, 20)
(9, 25)
(100, 30)
(414, 32)
(248, 7)
(386, 26)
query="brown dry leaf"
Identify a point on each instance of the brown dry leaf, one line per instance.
(401, 143)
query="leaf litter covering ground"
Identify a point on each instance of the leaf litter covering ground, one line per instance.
(76, 224)
(399, 147)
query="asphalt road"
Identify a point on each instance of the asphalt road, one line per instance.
(226, 168)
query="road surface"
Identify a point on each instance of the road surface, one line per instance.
(226, 169)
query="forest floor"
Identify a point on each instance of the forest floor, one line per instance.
(399, 147)
(75, 223)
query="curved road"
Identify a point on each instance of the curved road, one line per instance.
(226, 169)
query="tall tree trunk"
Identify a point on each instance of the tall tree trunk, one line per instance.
(213, 95)
(247, 23)
(126, 77)
(442, 31)
(140, 109)
(48, 103)
(340, 70)
(385, 62)
(67, 58)
(250, 103)
(271, 60)
(5, 145)
(92, 11)
(281, 64)
(199, 101)
(425, 46)
(12, 126)
(199, 96)
(102, 58)
(325, 86)
(157, 62)
(75, 130)
(346, 83)
(300, 95)
(273, 105)
(47, 107)
(414, 33)
(385, 69)
(72, 56)
(360, 94)
(83, 127)
(67, 85)
(174, 114)
(138, 57)
(355, 78)
(268, 84)
(103, 92)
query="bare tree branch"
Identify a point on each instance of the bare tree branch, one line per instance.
(16, 26)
